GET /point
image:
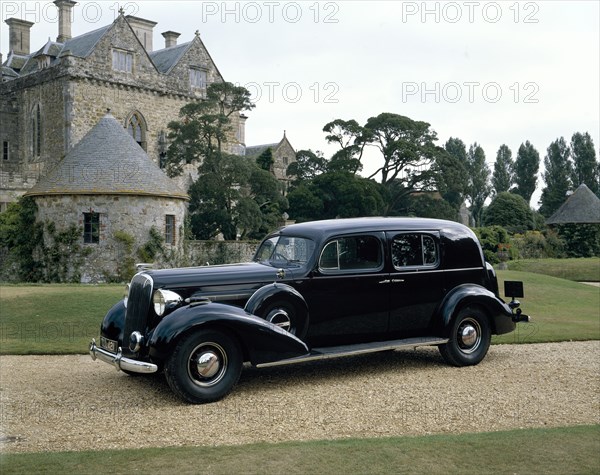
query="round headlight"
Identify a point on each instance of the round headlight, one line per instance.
(163, 300)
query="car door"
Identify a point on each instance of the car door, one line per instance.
(347, 301)
(416, 281)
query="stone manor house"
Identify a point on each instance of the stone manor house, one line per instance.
(51, 98)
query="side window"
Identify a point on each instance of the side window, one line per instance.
(414, 250)
(351, 253)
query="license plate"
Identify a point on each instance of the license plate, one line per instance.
(109, 345)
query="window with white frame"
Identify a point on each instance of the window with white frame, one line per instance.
(122, 61)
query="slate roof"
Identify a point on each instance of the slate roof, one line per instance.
(165, 59)
(107, 161)
(256, 150)
(582, 207)
(83, 45)
(15, 61)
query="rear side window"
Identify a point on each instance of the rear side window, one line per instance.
(352, 253)
(414, 250)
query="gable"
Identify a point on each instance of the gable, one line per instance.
(195, 56)
(120, 36)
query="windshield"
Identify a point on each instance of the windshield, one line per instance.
(285, 250)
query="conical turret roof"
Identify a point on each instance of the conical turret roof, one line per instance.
(107, 161)
(582, 207)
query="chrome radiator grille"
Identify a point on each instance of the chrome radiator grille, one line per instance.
(138, 304)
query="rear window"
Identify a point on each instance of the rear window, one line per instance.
(414, 250)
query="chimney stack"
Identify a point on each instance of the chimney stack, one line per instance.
(65, 16)
(170, 38)
(143, 29)
(18, 33)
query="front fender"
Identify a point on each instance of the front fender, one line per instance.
(261, 298)
(261, 341)
(113, 324)
(472, 294)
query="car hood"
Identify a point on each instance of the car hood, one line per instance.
(216, 279)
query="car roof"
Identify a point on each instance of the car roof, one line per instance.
(328, 227)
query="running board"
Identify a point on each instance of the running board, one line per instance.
(358, 349)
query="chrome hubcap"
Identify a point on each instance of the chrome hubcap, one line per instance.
(469, 335)
(280, 318)
(207, 364)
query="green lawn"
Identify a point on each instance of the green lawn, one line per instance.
(568, 450)
(53, 318)
(580, 270)
(561, 310)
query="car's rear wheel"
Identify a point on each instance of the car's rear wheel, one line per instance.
(204, 366)
(469, 338)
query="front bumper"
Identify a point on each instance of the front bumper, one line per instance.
(120, 362)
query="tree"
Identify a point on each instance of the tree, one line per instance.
(586, 170)
(479, 176)
(557, 176)
(451, 177)
(204, 126)
(510, 211)
(307, 166)
(527, 165)
(425, 205)
(349, 136)
(265, 160)
(407, 148)
(336, 195)
(502, 179)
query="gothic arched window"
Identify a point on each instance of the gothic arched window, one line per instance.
(136, 126)
(36, 131)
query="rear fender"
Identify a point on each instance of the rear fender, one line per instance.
(470, 294)
(261, 341)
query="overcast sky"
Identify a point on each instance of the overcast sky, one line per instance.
(488, 72)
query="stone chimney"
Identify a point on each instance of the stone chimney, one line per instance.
(143, 29)
(65, 18)
(170, 38)
(18, 33)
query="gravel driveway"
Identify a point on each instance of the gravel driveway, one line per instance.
(51, 403)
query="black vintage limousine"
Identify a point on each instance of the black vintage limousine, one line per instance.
(314, 290)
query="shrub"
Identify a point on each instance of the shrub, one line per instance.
(492, 238)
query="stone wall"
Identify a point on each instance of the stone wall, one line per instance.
(134, 215)
(200, 253)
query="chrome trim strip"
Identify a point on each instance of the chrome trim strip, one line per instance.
(119, 362)
(359, 349)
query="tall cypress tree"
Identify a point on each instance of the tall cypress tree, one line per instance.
(502, 179)
(557, 177)
(585, 167)
(479, 178)
(527, 165)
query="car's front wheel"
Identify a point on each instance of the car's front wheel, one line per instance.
(204, 366)
(469, 338)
